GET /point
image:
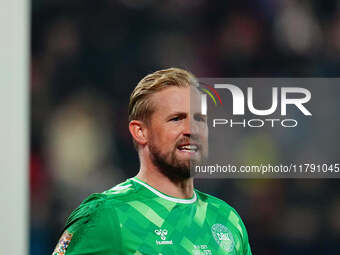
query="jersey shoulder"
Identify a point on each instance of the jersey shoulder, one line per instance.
(212, 200)
(94, 223)
(227, 211)
(220, 205)
(107, 200)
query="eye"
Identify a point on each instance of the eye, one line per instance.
(175, 118)
(199, 117)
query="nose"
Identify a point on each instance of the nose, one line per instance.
(190, 129)
(186, 127)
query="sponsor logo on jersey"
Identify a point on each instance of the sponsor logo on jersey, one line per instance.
(223, 237)
(64, 241)
(162, 233)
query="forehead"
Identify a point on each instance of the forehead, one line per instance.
(177, 99)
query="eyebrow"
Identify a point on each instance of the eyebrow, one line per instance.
(181, 114)
(200, 114)
(176, 114)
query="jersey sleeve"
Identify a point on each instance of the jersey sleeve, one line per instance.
(246, 245)
(245, 240)
(92, 228)
(236, 221)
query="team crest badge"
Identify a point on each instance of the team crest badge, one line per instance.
(64, 241)
(223, 237)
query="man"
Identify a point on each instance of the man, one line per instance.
(159, 211)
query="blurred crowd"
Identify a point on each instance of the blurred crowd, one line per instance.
(87, 56)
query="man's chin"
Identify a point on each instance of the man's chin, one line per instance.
(174, 166)
(178, 170)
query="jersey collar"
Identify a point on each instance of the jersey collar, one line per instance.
(162, 195)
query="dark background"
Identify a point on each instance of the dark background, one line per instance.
(87, 56)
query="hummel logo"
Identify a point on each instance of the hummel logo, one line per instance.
(162, 233)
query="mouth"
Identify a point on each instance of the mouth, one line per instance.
(188, 147)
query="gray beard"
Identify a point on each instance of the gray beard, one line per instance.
(169, 166)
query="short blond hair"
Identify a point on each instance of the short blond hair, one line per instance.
(140, 107)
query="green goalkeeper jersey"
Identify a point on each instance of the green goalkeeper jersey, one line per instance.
(135, 218)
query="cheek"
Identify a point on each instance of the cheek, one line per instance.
(165, 138)
(170, 133)
(204, 133)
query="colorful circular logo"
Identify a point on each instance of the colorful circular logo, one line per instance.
(223, 237)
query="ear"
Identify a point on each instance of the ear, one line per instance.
(138, 131)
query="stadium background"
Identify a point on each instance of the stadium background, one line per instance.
(86, 57)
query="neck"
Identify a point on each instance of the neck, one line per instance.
(153, 177)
